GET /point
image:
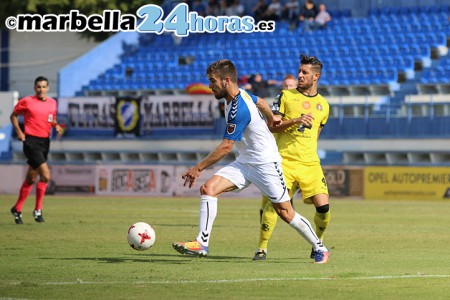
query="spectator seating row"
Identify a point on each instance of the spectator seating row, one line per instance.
(402, 10)
(368, 51)
(382, 127)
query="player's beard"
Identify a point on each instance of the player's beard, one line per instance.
(220, 94)
(304, 87)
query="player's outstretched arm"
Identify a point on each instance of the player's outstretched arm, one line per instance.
(222, 150)
(305, 120)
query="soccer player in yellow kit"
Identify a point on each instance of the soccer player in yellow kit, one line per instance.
(304, 112)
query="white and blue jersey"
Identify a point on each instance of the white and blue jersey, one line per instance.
(247, 127)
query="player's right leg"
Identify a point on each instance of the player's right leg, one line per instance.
(226, 179)
(25, 190)
(199, 246)
(193, 248)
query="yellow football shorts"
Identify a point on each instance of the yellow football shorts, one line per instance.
(309, 177)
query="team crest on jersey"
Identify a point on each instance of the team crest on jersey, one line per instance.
(231, 128)
(306, 105)
(319, 107)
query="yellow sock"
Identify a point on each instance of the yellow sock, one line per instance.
(264, 200)
(321, 220)
(268, 221)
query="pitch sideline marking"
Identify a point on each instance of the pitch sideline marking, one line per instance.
(79, 281)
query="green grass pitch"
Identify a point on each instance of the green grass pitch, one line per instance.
(380, 250)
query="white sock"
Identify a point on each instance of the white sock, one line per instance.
(305, 229)
(208, 212)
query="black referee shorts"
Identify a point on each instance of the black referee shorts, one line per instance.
(36, 150)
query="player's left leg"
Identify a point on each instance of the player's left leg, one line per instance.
(315, 191)
(304, 228)
(44, 177)
(322, 216)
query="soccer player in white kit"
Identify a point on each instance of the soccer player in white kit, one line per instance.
(258, 162)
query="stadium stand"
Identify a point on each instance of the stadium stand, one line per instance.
(374, 52)
(386, 75)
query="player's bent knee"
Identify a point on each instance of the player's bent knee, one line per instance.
(323, 209)
(203, 190)
(207, 190)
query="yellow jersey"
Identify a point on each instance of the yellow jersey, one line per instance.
(298, 143)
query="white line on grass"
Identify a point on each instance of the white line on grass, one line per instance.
(79, 281)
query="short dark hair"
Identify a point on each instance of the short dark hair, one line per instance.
(311, 60)
(224, 68)
(39, 79)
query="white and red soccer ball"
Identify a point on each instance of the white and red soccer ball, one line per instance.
(141, 236)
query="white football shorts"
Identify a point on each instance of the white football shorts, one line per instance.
(267, 177)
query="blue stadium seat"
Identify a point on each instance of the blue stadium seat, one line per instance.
(403, 62)
(355, 51)
(435, 39)
(374, 76)
(390, 74)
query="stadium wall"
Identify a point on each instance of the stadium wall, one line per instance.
(7, 102)
(360, 182)
(32, 54)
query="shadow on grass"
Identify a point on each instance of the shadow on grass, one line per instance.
(156, 258)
